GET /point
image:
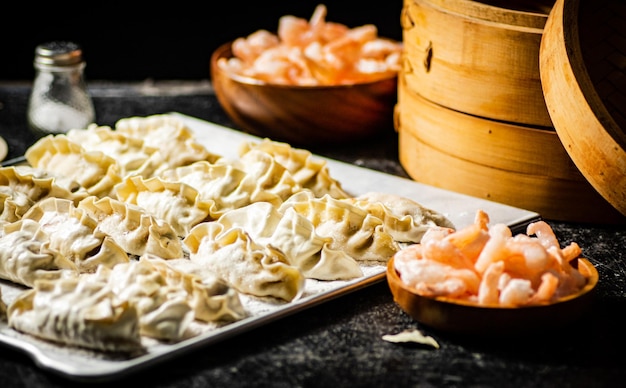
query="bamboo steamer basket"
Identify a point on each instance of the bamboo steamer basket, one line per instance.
(583, 69)
(498, 144)
(477, 57)
(520, 166)
(573, 170)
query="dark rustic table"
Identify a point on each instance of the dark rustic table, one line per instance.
(339, 342)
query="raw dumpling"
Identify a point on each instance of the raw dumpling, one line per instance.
(74, 234)
(163, 310)
(308, 172)
(174, 141)
(154, 130)
(13, 204)
(176, 203)
(210, 299)
(26, 255)
(352, 229)
(130, 153)
(132, 228)
(59, 156)
(22, 188)
(405, 219)
(250, 268)
(295, 236)
(112, 308)
(224, 186)
(77, 312)
(272, 182)
(61, 185)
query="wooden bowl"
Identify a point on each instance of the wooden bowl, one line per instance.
(304, 115)
(461, 317)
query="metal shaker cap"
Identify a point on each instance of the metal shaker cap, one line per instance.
(58, 53)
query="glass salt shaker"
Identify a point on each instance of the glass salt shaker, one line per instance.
(59, 100)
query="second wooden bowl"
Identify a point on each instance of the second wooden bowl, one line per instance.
(304, 115)
(461, 317)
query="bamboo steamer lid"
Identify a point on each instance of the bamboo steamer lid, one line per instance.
(583, 72)
(478, 57)
(520, 166)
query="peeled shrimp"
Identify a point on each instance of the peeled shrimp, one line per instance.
(544, 233)
(516, 292)
(294, 31)
(321, 52)
(491, 266)
(494, 249)
(437, 279)
(444, 251)
(472, 239)
(546, 291)
(250, 48)
(488, 292)
(432, 277)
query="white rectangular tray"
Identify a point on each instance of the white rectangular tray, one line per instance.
(87, 366)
